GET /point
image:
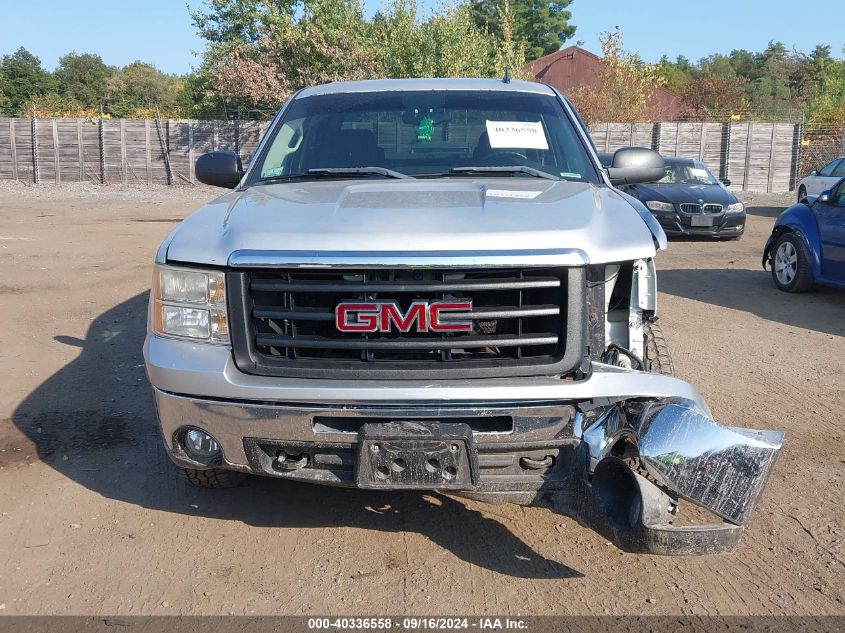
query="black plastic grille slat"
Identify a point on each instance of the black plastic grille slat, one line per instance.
(518, 315)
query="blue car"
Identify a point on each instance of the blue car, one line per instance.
(807, 245)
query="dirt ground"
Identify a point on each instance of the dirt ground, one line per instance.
(94, 521)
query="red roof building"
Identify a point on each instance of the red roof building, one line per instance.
(572, 68)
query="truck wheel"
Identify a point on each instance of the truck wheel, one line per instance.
(212, 478)
(791, 264)
(657, 357)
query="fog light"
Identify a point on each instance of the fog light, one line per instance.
(200, 445)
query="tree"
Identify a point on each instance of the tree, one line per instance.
(242, 21)
(672, 75)
(53, 104)
(83, 78)
(745, 64)
(21, 79)
(293, 54)
(330, 40)
(138, 88)
(716, 97)
(447, 44)
(627, 85)
(542, 25)
(718, 66)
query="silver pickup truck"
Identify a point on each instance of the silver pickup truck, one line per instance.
(434, 285)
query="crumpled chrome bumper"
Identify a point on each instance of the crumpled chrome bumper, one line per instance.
(681, 453)
(615, 451)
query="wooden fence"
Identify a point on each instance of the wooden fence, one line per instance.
(108, 151)
(754, 156)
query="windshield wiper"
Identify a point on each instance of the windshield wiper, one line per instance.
(509, 169)
(323, 172)
(381, 171)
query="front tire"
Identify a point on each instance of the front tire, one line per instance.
(791, 264)
(657, 357)
(802, 194)
(211, 478)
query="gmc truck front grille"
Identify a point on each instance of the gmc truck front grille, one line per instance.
(524, 321)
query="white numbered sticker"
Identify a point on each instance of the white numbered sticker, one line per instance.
(517, 134)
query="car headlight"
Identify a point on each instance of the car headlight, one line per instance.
(190, 304)
(736, 207)
(656, 205)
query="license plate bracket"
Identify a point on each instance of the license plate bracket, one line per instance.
(701, 220)
(416, 455)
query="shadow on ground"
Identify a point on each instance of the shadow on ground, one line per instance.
(754, 291)
(93, 422)
(765, 212)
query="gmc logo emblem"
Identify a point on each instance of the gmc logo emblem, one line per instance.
(385, 316)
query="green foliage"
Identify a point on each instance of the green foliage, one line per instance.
(774, 84)
(22, 79)
(259, 51)
(330, 40)
(627, 85)
(82, 79)
(541, 25)
(446, 44)
(54, 104)
(241, 21)
(138, 88)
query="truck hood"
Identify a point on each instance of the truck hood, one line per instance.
(501, 216)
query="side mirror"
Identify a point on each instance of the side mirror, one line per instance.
(220, 169)
(726, 182)
(824, 197)
(632, 165)
(813, 173)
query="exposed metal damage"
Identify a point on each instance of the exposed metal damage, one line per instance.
(685, 454)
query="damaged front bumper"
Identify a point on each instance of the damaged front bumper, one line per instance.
(645, 455)
(617, 451)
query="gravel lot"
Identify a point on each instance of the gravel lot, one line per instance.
(92, 519)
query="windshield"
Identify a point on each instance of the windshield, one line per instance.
(426, 134)
(687, 175)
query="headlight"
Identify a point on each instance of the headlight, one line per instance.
(736, 207)
(656, 205)
(191, 304)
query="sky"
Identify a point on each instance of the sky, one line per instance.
(160, 31)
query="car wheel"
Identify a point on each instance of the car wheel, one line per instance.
(657, 357)
(791, 264)
(211, 478)
(802, 194)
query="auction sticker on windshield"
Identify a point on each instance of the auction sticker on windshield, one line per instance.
(521, 134)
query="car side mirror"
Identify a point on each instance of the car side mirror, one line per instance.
(220, 169)
(632, 165)
(813, 173)
(726, 182)
(824, 197)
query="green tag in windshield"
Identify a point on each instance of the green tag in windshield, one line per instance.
(425, 130)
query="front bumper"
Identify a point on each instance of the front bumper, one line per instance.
(724, 225)
(615, 451)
